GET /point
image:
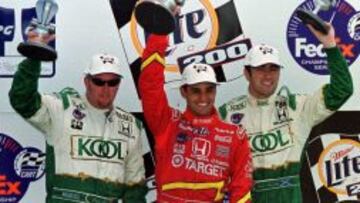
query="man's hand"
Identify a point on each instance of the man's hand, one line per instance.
(36, 37)
(327, 40)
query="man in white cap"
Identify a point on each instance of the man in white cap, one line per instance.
(198, 157)
(278, 124)
(93, 149)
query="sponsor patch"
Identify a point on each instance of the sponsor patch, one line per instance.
(182, 138)
(96, 148)
(177, 160)
(125, 128)
(179, 148)
(201, 148)
(222, 151)
(225, 139)
(187, 163)
(224, 131)
(199, 131)
(270, 142)
(124, 116)
(237, 107)
(78, 114)
(76, 124)
(282, 112)
(236, 118)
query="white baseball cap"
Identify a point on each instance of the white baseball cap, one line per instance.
(103, 63)
(262, 54)
(197, 73)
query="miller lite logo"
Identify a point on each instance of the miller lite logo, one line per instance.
(196, 29)
(200, 25)
(339, 168)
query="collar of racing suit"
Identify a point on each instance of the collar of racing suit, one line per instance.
(261, 102)
(282, 93)
(106, 112)
(201, 120)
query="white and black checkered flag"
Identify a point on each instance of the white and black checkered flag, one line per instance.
(330, 171)
(32, 160)
(228, 28)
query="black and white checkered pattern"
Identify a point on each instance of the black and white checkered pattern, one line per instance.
(229, 29)
(341, 125)
(32, 160)
(315, 147)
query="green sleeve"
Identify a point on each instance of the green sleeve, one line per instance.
(340, 87)
(135, 194)
(24, 97)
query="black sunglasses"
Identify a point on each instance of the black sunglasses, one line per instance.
(100, 82)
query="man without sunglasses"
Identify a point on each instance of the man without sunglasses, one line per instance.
(278, 122)
(93, 149)
(198, 157)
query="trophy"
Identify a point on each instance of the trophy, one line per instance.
(45, 12)
(157, 16)
(311, 17)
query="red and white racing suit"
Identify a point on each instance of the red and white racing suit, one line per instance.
(198, 159)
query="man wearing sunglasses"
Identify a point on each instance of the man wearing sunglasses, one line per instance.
(93, 148)
(198, 157)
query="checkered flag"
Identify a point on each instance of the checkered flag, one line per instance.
(342, 127)
(32, 160)
(229, 28)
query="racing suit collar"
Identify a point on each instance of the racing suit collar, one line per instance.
(261, 102)
(106, 112)
(201, 120)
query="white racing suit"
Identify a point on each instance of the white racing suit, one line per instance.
(279, 126)
(92, 155)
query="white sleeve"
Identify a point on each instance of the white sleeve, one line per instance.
(49, 113)
(135, 171)
(312, 108)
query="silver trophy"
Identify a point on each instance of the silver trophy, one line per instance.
(158, 16)
(311, 17)
(45, 12)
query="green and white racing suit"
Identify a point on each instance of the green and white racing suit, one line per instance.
(279, 126)
(92, 155)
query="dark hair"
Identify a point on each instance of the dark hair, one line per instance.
(248, 68)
